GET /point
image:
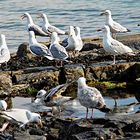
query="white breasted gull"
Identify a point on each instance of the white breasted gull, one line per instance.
(47, 27)
(77, 33)
(31, 26)
(90, 97)
(114, 26)
(38, 49)
(71, 43)
(4, 51)
(21, 116)
(3, 105)
(113, 46)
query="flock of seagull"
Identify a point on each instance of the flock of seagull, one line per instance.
(88, 97)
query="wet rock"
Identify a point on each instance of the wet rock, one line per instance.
(5, 84)
(26, 136)
(103, 71)
(35, 131)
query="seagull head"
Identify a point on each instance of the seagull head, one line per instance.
(34, 117)
(3, 105)
(77, 30)
(2, 37)
(105, 28)
(54, 37)
(81, 82)
(71, 31)
(106, 12)
(25, 15)
(44, 17)
(41, 93)
(31, 34)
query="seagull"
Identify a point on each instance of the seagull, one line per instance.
(72, 44)
(54, 97)
(21, 116)
(38, 49)
(77, 33)
(33, 27)
(3, 105)
(114, 26)
(58, 52)
(113, 46)
(47, 27)
(90, 97)
(4, 51)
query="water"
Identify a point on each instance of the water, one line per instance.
(63, 13)
(74, 109)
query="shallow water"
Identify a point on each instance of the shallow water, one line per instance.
(63, 13)
(74, 109)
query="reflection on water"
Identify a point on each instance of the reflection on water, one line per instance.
(74, 109)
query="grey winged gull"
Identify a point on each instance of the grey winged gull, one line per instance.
(3, 105)
(21, 116)
(33, 27)
(113, 46)
(47, 27)
(4, 51)
(38, 49)
(114, 26)
(90, 97)
(58, 51)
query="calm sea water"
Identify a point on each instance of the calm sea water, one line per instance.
(62, 13)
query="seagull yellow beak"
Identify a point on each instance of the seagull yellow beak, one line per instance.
(23, 16)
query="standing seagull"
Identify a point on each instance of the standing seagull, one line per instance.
(33, 27)
(38, 49)
(4, 51)
(58, 52)
(113, 46)
(90, 97)
(77, 33)
(72, 43)
(47, 27)
(114, 26)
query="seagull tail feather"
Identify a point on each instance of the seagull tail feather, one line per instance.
(105, 109)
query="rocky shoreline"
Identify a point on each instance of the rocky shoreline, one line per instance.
(26, 74)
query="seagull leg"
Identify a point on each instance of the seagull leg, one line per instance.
(87, 113)
(114, 59)
(92, 110)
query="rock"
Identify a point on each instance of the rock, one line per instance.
(73, 72)
(5, 84)
(22, 50)
(102, 71)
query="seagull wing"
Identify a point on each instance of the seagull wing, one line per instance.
(58, 51)
(55, 29)
(93, 97)
(118, 27)
(38, 31)
(119, 47)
